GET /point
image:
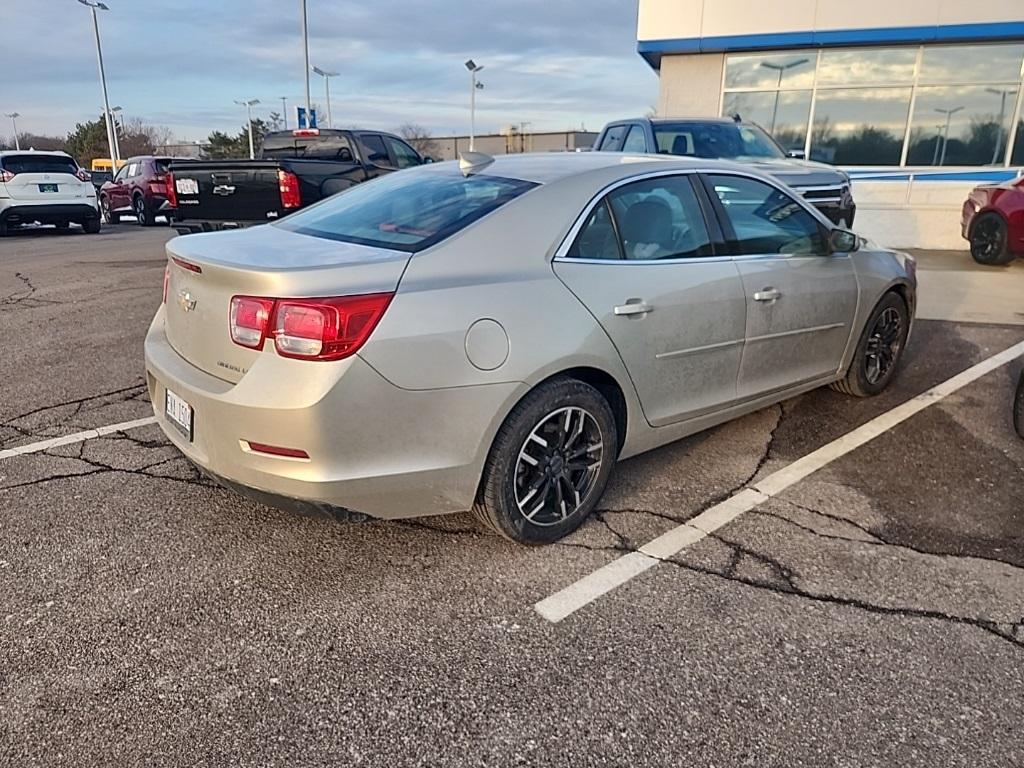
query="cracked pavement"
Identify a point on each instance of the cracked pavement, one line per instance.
(872, 614)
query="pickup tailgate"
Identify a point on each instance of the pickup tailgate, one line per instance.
(243, 191)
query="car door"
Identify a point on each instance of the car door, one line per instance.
(801, 299)
(644, 262)
(378, 161)
(118, 194)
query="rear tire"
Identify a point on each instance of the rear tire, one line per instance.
(92, 226)
(1018, 407)
(549, 464)
(990, 241)
(143, 214)
(879, 349)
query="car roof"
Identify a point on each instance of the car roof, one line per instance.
(549, 167)
(660, 120)
(50, 152)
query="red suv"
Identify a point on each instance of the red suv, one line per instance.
(137, 189)
(993, 222)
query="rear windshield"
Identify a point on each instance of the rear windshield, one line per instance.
(161, 164)
(325, 147)
(406, 211)
(715, 140)
(38, 164)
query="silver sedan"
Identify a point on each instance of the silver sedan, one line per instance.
(494, 334)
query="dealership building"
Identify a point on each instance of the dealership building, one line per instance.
(920, 100)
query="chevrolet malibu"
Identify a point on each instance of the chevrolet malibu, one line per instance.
(494, 334)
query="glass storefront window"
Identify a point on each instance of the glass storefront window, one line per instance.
(971, 64)
(787, 70)
(964, 125)
(783, 114)
(868, 66)
(860, 126)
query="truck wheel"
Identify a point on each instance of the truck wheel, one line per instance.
(142, 212)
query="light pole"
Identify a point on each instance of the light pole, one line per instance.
(781, 69)
(305, 45)
(117, 139)
(1002, 116)
(473, 68)
(111, 141)
(248, 117)
(945, 132)
(938, 143)
(284, 111)
(14, 121)
(327, 84)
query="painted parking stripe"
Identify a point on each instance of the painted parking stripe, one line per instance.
(616, 573)
(77, 437)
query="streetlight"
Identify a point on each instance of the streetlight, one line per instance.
(305, 44)
(781, 69)
(14, 121)
(945, 133)
(327, 84)
(117, 139)
(1002, 116)
(473, 68)
(248, 117)
(284, 111)
(111, 141)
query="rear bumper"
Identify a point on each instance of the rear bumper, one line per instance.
(49, 213)
(374, 448)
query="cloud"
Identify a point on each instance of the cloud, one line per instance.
(182, 63)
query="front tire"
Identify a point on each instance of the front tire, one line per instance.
(549, 464)
(990, 241)
(879, 350)
(105, 212)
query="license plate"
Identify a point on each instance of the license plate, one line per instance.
(179, 413)
(48, 188)
(186, 186)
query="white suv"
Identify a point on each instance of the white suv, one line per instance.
(48, 188)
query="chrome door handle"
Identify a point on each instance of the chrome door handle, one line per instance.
(633, 307)
(768, 294)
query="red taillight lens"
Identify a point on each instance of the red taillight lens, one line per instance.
(157, 188)
(6, 176)
(276, 450)
(327, 329)
(250, 319)
(83, 175)
(167, 280)
(288, 184)
(172, 193)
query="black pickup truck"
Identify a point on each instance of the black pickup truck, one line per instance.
(295, 169)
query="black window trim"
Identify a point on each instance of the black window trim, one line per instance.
(731, 244)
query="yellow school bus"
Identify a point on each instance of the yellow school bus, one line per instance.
(105, 164)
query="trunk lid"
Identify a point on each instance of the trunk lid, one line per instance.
(260, 261)
(231, 191)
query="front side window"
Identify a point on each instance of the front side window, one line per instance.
(613, 139)
(122, 174)
(376, 152)
(715, 140)
(406, 212)
(765, 220)
(635, 141)
(405, 156)
(650, 220)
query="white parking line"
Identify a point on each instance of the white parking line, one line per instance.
(77, 437)
(616, 573)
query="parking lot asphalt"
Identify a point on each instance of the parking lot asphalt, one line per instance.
(871, 614)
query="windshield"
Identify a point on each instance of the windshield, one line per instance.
(406, 211)
(715, 140)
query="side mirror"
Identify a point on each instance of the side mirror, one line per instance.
(428, 159)
(842, 241)
(796, 154)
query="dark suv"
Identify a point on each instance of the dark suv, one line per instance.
(825, 187)
(138, 189)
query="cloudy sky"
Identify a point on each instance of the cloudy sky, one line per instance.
(553, 63)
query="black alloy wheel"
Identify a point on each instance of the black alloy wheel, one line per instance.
(990, 241)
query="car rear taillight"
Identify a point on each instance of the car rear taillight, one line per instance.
(250, 319)
(157, 186)
(171, 192)
(288, 184)
(83, 175)
(308, 329)
(167, 279)
(6, 176)
(300, 132)
(276, 450)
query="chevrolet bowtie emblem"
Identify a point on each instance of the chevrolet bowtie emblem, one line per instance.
(186, 301)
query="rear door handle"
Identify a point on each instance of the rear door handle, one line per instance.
(633, 307)
(768, 294)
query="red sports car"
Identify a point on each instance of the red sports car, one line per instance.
(993, 222)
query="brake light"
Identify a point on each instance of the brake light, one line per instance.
(187, 265)
(167, 279)
(83, 175)
(6, 176)
(250, 318)
(288, 185)
(157, 187)
(172, 193)
(306, 132)
(308, 329)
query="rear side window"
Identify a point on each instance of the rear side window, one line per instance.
(376, 152)
(406, 212)
(39, 164)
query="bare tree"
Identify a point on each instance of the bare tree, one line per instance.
(419, 137)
